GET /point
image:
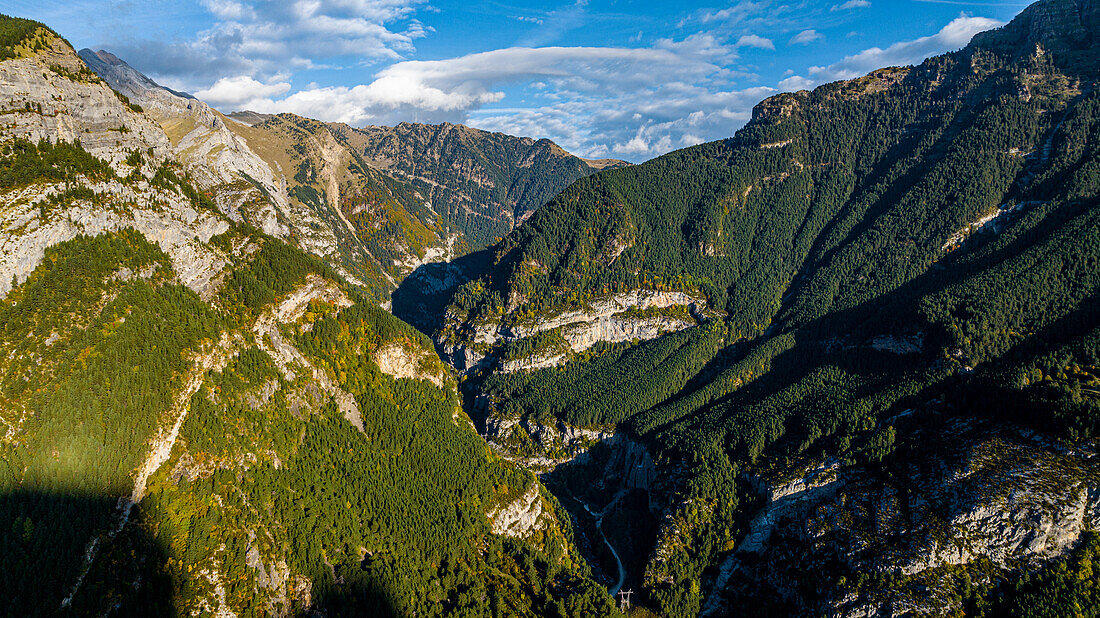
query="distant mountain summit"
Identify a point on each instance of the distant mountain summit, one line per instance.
(378, 201)
(123, 77)
(198, 417)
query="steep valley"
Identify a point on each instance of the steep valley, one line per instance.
(872, 392)
(845, 362)
(200, 418)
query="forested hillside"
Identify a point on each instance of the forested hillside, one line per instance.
(869, 263)
(199, 418)
(845, 362)
(481, 183)
(375, 202)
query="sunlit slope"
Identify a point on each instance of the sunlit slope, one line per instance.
(881, 251)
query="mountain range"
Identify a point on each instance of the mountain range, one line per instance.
(845, 362)
(376, 201)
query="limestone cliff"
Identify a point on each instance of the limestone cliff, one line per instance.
(378, 202)
(639, 315)
(984, 500)
(51, 96)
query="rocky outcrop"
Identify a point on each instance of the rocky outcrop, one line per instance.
(400, 360)
(288, 358)
(981, 495)
(786, 499)
(217, 158)
(531, 363)
(166, 218)
(1067, 28)
(53, 97)
(616, 328)
(244, 168)
(602, 309)
(520, 517)
(47, 97)
(614, 318)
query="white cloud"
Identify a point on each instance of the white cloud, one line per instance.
(737, 12)
(228, 9)
(240, 91)
(954, 35)
(263, 38)
(631, 125)
(806, 37)
(752, 40)
(796, 83)
(851, 4)
(468, 82)
(595, 101)
(628, 102)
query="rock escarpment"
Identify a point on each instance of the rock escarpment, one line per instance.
(168, 218)
(52, 96)
(984, 500)
(630, 316)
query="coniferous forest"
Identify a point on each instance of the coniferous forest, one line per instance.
(844, 362)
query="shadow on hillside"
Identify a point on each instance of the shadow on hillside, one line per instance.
(44, 537)
(841, 338)
(422, 297)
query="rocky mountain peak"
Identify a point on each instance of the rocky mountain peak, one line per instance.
(123, 77)
(1068, 29)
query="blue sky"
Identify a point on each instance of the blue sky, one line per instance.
(625, 78)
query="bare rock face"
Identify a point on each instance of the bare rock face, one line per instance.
(615, 318)
(218, 155)
(204, 141)
(980, 495)
(49, 97)
(615, 328)
(521, 517)
(165, 218)
(399, 360)
(76, 106)
(532, 363)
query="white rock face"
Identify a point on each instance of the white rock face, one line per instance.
(399, 361)
(165, 218)
(89, 112)
(532, 363)
(213, 153)
(72, 110)
(521, 517)
(601, 320)
(606, 308)
(220, 159)
(980, 493)
(288, 358)
(613, 329)
(444, 252)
